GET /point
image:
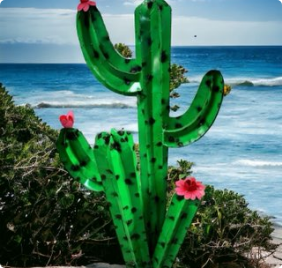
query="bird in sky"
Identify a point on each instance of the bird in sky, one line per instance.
(3, 0)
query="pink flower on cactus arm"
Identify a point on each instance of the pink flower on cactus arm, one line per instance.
(190, 188)
(67, 120)
(85, 4)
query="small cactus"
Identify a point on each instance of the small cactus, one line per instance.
(149, 234)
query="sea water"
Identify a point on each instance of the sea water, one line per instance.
(243, 149)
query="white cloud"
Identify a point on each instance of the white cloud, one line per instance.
(57, 26)
(44, 26)
(132, 3)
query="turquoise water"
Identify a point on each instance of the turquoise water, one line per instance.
(243, 149)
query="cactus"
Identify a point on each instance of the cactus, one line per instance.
(149, 234)
(147, 78)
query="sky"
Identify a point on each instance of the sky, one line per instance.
(38, 31)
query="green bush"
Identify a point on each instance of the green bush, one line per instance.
(46, 218)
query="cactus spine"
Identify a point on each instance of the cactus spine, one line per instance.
(149, 235)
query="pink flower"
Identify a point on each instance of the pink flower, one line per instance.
(67, 120)
(190, 188)
(85, 4)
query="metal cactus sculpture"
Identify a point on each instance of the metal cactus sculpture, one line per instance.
(149, 231)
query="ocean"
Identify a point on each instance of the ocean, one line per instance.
(241, 152)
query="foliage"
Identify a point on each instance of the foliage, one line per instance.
(177, 73)
(46, 218)
(124, 50)
(224, 230)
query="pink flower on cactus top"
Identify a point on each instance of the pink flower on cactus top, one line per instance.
(85, 4)
(67, 120)
(190, 188)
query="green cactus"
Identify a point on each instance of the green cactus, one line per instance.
(149, 233)
(147, 78)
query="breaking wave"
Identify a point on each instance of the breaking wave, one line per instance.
(118, 105)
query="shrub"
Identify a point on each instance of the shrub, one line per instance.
(46, 218)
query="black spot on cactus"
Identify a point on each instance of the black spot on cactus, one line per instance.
(162, 244)
(171, 139)
(135, 69)
(199, 108)
(114, 194)
(95, 54)
(179, 198)
(148, 146)
(107, 38)
(208, 83)
(202, 122)
(137, 195)
(163, 56)
(109, 171)
(117, 177)
(153, 160)
(129, 222)
(174, 240)
(157, 199)
(121, 132)
(126, 61)
(83, 163)
(178, 125)
(103, 177)
(151, 121)
(156, 259)
(96, 147)
(159, 144)
(149, 5)
(133, 175)
(216, 89)
(126, 208)
(118, 216)
(71, 136)
(75, 167)
(149, 41)
(141, 218)
(184, 215)
(160, 7)
(135, 236)
(160, 167)
(116, 146)
(171, 218)
(144, 64)
(180, 144)
(133, 210)
(128, 182)
(125, 238)
(126, 81)
(99, 135)
(86, 21)
(145, 155)
(149, 78)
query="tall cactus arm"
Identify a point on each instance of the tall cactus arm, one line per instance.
(152, 20)
(78, 159)
(121, 188)
(125, 164)
(101, 152)
(197, 120)
(119, 74)
(178, 219)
